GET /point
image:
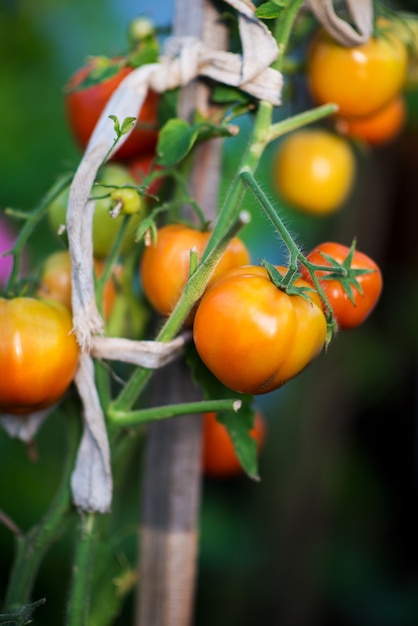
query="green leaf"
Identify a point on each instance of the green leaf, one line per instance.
(269, 10)
(238, 424)
(127, 124)
(222, 94)
(175, 141)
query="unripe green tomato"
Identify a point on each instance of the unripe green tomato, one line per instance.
(105, 227)
(127, 201)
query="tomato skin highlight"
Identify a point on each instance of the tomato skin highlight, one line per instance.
(314, 171)
(164, 268)
(38, 354)
(359, 80)
(253, 336)
(347, 314)
(219, 458)
(84, 106)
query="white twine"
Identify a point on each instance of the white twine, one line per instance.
(361, 12)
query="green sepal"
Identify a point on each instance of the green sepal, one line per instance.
(348, 280)
(282, 282)
(103, 68)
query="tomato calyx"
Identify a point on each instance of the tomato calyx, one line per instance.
(346, 274)
(287, 282)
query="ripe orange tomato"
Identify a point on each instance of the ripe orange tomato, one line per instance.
(360, 80)
(84, 106)
(55, 281)
(253, 336)
(347, 314)
(378, 128)
(38, 354)
(314, 171)
(219, 458)
(164, 267)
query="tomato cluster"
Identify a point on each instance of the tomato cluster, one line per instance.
(314, 169)
(365, 82)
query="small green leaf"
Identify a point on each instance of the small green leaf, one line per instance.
(268, 10)
(223, 94)
(127, 124)
(116, 125)
(175, 141)
(239, 426)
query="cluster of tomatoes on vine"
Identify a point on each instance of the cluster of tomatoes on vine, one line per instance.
(252, 335)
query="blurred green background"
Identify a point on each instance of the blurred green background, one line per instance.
(329, 534)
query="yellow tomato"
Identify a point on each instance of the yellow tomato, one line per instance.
(314, 171)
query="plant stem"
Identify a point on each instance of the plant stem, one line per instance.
(79, 599)
(302, 119)
(283, 28)
(31, 548)
(172, 410)
(34, 217)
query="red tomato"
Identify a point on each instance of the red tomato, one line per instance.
(85, 105)
(38, 354)
(347, 314)
(253, 336)
(376, 129)
(219, 458)
(165, 267)
(360, 80)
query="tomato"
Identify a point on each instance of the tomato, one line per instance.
(314, 171)
(219, 458)
(347, 314)
(85, 104)
(378, 128)
(105, 227)
(38, 354)
(253, 336)
(165, 266)
(55, 281)
(359, 80)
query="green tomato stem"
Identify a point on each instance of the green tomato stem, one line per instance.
(295, 255)
(283, 28)
(301, 119)
(79, 599)
(32, 220)
(32, 547)
(192, 292)
(122, 418)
